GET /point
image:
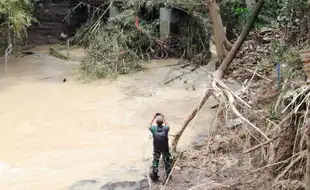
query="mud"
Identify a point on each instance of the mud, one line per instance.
(218, 164)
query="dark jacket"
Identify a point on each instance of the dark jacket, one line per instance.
(160, 138)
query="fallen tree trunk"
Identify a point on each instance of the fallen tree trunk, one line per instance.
(189, 118)
(219, 72)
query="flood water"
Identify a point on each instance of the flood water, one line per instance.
(54, 134)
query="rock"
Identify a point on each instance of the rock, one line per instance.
(220, 138)
(265, 30)
(259, 49)
(267, 51)
(231, 80)
(244, 49)
(86, 185)
(127, 185)
(234, 123)
(251, 47)
(267, 39)
(41, 6)
(63, 36)
(123, 185)
(252, 59)
(177, 168)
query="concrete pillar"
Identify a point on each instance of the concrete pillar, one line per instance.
(164, 27)
(114, 11)
(167, 17)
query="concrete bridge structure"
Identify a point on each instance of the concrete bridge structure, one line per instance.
(53, 27)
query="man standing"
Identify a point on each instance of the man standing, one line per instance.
(160, 145)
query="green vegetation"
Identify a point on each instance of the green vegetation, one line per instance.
(287, 55)
(17, 14)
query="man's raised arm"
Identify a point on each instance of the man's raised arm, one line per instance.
(166, 122)
(151, 123)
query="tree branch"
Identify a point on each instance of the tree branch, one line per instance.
(260, 145)
(301, 156)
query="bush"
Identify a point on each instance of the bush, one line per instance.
(114, 47)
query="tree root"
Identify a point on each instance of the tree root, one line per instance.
(274, 164)
(260, 145)
(282, 174)
(231, 100)
(218, 86)
(210, 185)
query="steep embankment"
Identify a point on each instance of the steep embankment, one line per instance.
(54, 22)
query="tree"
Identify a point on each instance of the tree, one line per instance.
(219, 31)
(17, 14)
(219, 74)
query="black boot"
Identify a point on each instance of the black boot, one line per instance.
(154, 176)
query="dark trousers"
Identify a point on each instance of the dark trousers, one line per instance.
(167, 161)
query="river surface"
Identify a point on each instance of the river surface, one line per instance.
(54, 134)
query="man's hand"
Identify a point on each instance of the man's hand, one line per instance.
(154, 117)
(165, 121)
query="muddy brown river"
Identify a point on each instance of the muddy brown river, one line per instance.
(54, 134)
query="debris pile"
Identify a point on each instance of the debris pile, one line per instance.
(280, 111)
(121, 44)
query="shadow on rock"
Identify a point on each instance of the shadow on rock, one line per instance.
(86, 185)
(127, 185)
(97, 185)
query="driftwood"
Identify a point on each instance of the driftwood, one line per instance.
(260, 145)
(293, 162)
(219, 73)
(58, 54)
